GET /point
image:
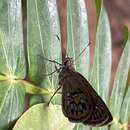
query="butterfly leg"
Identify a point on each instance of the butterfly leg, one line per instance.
(56, 70)
(54, 95)
(50, 73)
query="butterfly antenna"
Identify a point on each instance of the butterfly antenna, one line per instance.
(82, 51)
(44, 58)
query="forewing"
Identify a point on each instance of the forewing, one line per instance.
(100, 115)
(76, 103)
(81, 103)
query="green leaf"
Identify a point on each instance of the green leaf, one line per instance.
(33, 89)
(12, 62)
(101, 70)
(42, 30)
(125, 109)
(77, 34)
(11, 48)
(99, 4)
(11, 102)
(80, 126)
(42, 117)
(119, 88)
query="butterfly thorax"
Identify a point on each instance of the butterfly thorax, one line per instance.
(68, 64)
(67, 69)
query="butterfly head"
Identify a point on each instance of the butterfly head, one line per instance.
(68, 63)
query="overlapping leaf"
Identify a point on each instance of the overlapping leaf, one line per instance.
(77, 35)
(42, 42)
(42, 117)
(119, 86)
(101, 70)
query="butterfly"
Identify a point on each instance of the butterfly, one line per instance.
(80, 102)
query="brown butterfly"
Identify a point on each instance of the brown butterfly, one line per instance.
(80, 102)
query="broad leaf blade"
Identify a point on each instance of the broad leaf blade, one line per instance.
(11, 102)
(101, 70)
(120, 83)
(43, 26)
(11, 39)
(12, 62)
(77, 35)
(42, 117)
(42, 31)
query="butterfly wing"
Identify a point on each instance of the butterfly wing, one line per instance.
(76, 104)
(81, 103)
